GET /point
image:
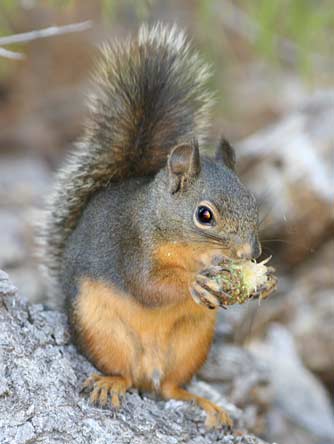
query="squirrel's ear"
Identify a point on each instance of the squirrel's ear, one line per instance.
(184, 165)
(225, 153)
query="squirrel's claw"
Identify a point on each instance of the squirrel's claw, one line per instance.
(103, 388)
(203, 297)
(207, 291)
(218, 419)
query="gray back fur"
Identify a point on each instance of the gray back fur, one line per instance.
(149, 94)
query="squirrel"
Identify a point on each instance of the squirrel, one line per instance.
(139, 214)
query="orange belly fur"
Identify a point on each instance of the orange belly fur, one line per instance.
(148, 345)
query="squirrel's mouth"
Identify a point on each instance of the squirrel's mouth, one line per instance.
(237, 255)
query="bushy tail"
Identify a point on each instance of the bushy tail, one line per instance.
(149, 94)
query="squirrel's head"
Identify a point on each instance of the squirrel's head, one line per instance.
(201, 200)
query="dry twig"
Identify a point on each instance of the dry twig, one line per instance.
(11, 54)
(38, 34)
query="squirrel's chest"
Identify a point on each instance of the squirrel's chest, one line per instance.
(149, 345)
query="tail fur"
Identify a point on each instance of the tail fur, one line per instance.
(149, 94)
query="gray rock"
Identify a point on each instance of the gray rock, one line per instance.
(239, 373)
(300, 399)
(21, 180)
(6, 287)
(24, 185)
(294, 157)
(312, 324)
(40, 402)
(10, 239)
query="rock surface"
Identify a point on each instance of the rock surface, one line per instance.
(40, 377)
(300, 401)
(289, 166)
(24, 183)
(312, 325)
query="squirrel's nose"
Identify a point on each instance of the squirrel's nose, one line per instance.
(244, 251)
(249, 250)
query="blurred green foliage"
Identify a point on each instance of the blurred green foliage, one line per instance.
(307, 25)
(113, 9)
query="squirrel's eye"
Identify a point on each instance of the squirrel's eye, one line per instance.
(204, 215)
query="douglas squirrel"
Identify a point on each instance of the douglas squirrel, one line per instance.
(138, 216)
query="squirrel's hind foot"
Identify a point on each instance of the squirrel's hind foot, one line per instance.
(105, 388)
(216, 416)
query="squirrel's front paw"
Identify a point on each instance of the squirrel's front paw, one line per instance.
(205, 290)
(102, 388)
